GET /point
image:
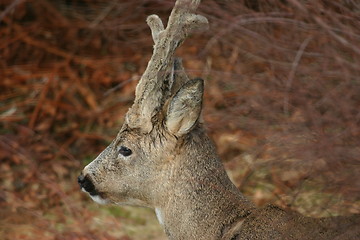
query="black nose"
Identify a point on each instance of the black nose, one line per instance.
(86, 184)
(81, 179)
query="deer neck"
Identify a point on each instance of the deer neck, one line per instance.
(200, 201)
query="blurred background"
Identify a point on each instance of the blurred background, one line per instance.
(282, 103)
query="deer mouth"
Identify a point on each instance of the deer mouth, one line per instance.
(87, 185)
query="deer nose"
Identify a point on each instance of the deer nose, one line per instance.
(86, 184)
(81, 179)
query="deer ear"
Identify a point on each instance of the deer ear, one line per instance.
(185, 107)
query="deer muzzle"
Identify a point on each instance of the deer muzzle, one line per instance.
(86, 185)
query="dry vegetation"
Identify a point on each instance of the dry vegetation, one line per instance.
(282, 104)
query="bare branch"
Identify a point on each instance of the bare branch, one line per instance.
(292, 73)
(9, 8)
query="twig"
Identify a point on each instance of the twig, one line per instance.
(40, 102)
(103, 14)
(51, 49)
(83, 89)
(120, 85)
(241, 21)
(292, 73)
(10, 8)
(326, 27)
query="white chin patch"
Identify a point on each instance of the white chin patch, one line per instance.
(159, 216)
(98, 199)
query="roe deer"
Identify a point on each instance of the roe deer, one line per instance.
(163, 159)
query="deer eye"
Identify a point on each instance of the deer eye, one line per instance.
(125, 151)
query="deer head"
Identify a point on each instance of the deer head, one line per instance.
(165, 112)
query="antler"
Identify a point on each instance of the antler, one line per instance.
(163, 76)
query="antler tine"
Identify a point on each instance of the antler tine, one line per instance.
(158, 78)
